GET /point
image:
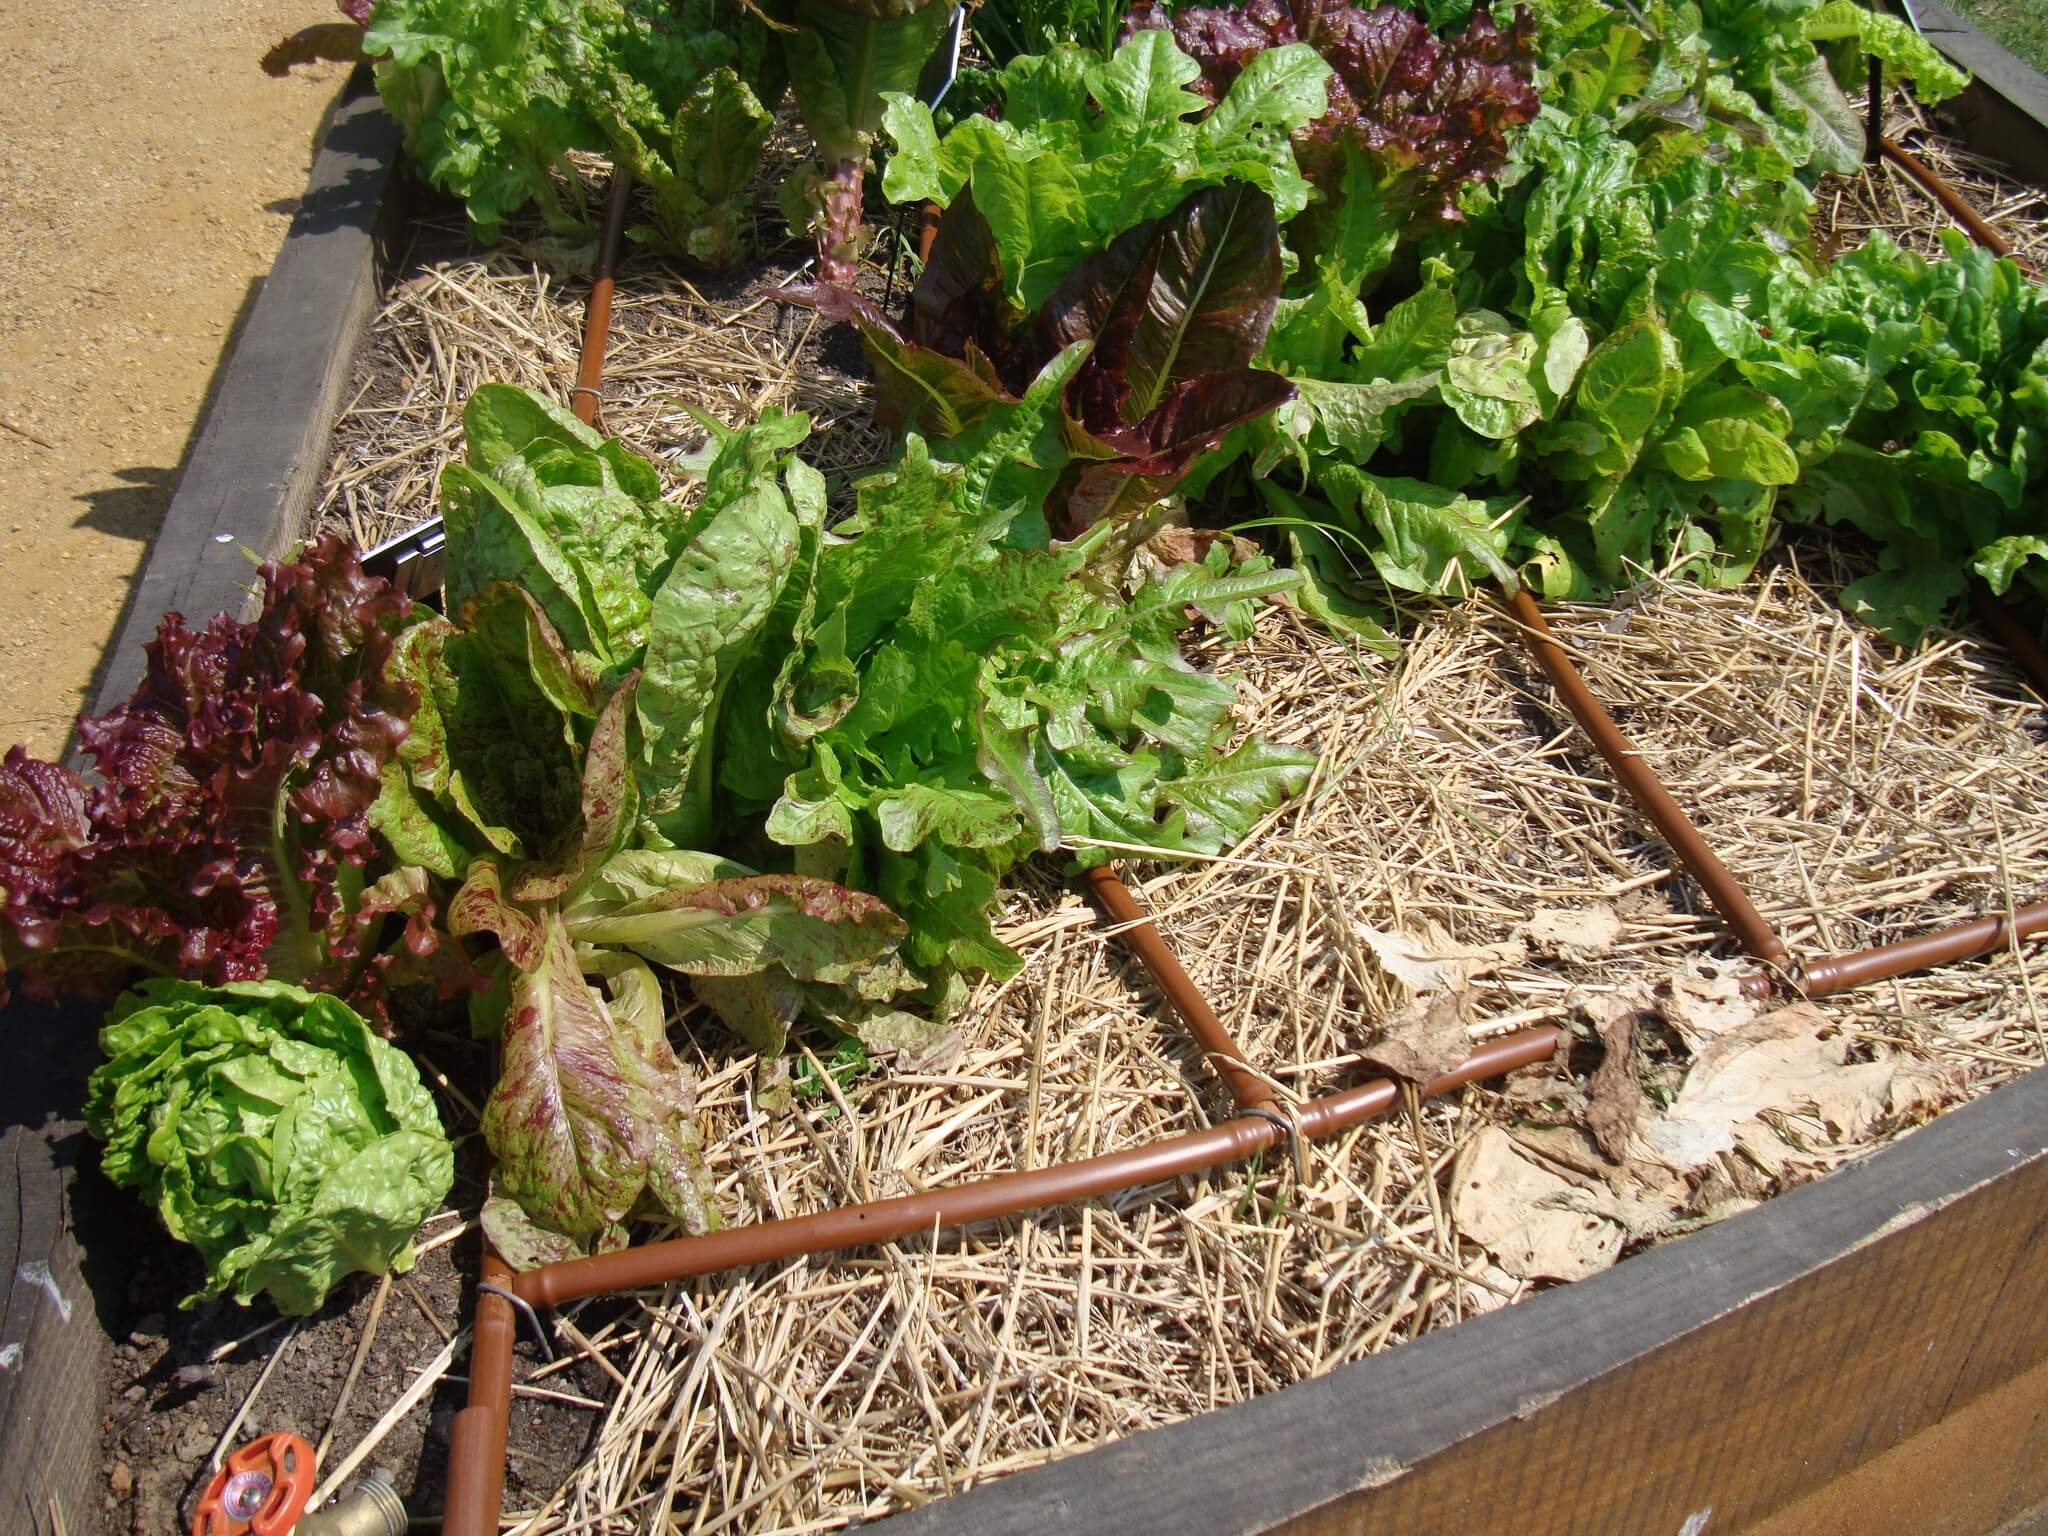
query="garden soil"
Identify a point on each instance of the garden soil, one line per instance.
(148, 172)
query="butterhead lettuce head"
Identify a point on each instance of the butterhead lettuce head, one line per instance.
(272, 1130)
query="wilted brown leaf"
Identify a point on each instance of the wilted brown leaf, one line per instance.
(1425, 1039)
(1780, 1061)
(1703, 1007)
(1429, 960)
(1575, 934)
(1537, 1223)
(1614, 1097)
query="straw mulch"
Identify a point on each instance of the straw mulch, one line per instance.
(1886, 198)
(1861, 793)
(450, 322)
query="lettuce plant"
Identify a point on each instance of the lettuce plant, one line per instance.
(1433, 113)
(1605, 341)
(1172, 312)
(273, 1131)
(846, 58)
(493, 95)
(228, 836)
(559, 771)
(1087, 147)
(954, 700)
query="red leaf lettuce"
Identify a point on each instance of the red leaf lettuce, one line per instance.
(1173, 312)
(225, 838)
(1434, 112)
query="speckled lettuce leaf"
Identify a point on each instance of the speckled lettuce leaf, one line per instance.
(592, 1117)
(812, 928)
(707, 617)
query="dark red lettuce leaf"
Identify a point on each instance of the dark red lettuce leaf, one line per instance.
(1150, 459)
(43, 824)
(959, 295)
(1434, 113)
(1168, 302)
(234, 787)
(1175, 308)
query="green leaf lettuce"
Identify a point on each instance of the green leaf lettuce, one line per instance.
(272, 1130)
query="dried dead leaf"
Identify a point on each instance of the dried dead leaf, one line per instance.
(1425, 1039)
(1499, 1290)
(1535, 1222)
(1645, 1198)
(1778, 1062)
(1614, 1097)
(1574, 934)
(1701, 1008)
(1429, 960)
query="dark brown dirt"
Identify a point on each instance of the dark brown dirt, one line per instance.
(179, 1376)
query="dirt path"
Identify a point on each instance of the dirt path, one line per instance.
(148, 170)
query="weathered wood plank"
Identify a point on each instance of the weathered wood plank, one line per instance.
(2004, 113)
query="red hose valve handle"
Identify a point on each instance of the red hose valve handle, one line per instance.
(260, 1489)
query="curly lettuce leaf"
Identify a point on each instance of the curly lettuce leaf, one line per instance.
(1087, 148)
(272, 1130)
(592, 1119)
(225, 839)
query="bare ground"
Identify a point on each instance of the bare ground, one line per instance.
(148, 171)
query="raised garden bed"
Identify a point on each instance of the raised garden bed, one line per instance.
(1821, 763)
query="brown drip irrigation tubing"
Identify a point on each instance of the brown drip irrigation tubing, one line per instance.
(475, 1494)
(1953, 202)
(1826, 976)
(585, 398)
(1820, 977)
(1141, 937)
(1646, 789)
(1007, 1194)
